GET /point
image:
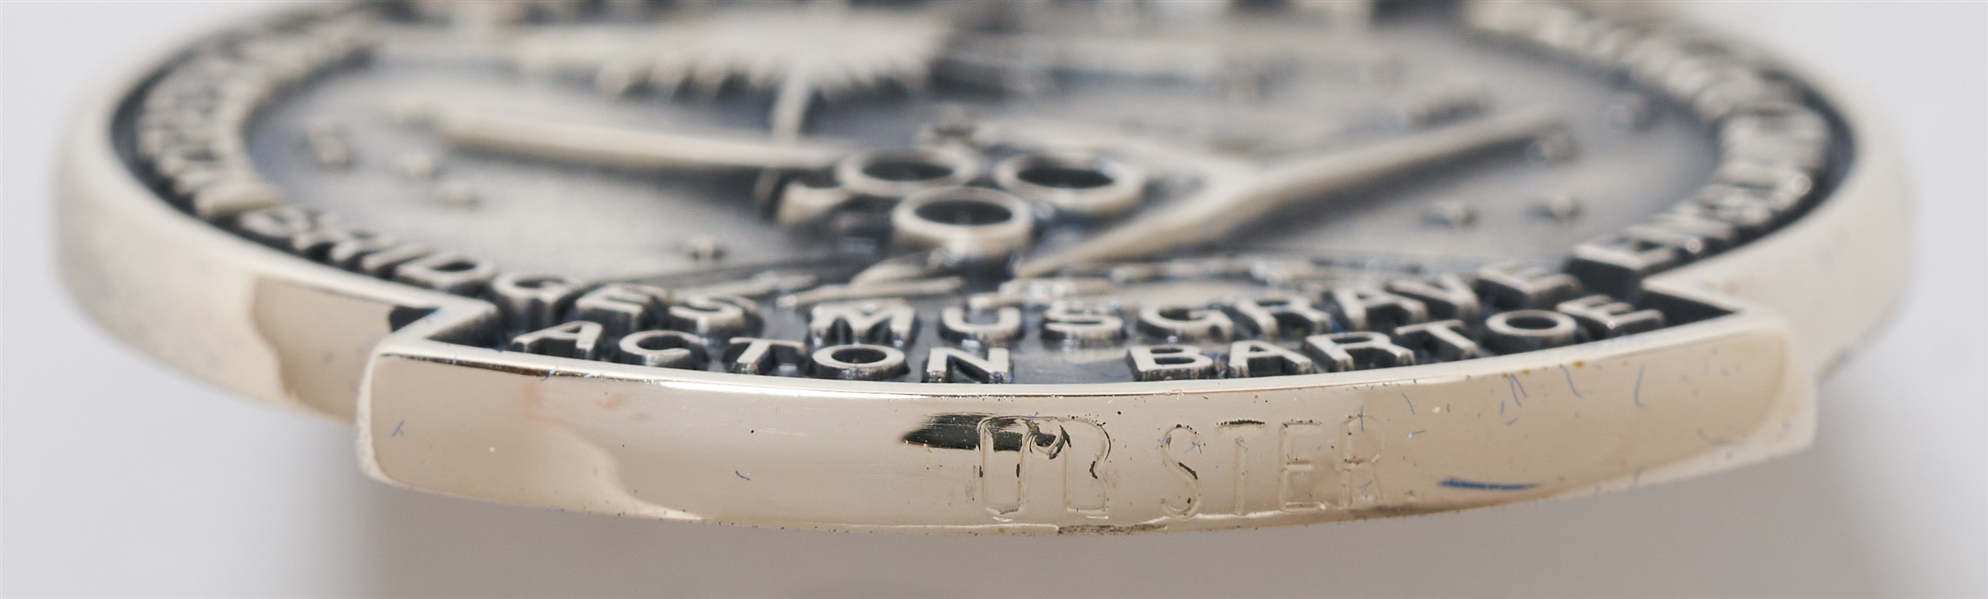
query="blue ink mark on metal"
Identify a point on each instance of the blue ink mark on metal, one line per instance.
(1517, 389)
(1370, 482)
(396, 428)
(1458, 483)
(1638, 393)
(1363, 418)
(741, 475)
(1411, 404)
(1509, 422)
(1570, 382)
(1411, 436)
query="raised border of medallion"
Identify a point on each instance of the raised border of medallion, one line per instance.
(633, 440)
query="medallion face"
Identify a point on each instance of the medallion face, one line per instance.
(1038, 204)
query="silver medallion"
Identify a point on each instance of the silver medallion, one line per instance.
(996, 267)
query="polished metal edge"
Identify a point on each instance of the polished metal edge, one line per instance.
(833, 454)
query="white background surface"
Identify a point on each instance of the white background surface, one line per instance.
(124, 478)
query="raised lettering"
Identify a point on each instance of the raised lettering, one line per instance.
(1263, 358)
(1514, 286)
(880, 323)
(954, 326)
(1447, 296)
(747, 355)
(1169, 363)
(1603, 317)
(1444, 340)
(1369, 309)
(622, 307)
(1360, 350)
(858, 362)
(715, 316)
(663, 349)
(1616, 265)
(945, 365)
(1180, 323)
(1281, 317)
(1085, 326)
(570, 340)
(1528, 330)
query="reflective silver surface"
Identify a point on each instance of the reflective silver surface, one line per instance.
(699, 146)
(1683, 342)
(496, 100)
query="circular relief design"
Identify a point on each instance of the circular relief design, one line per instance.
(1002, 193)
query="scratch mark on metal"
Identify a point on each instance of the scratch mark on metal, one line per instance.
(1411, 435)
(1518, 389)
(1709, 439)
(1458, 483)
(1411, 404)
(1637, 394)
(1570, 382)
(1363, 418)
(396, 428)
(741, 475)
